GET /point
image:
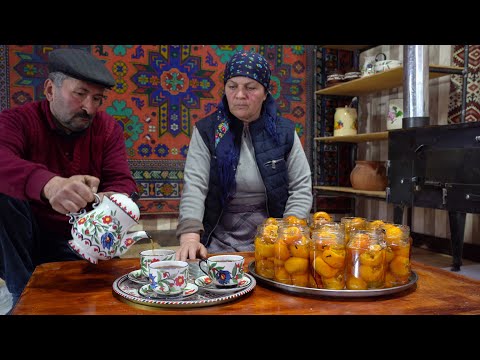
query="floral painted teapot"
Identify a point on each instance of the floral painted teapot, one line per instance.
(101, 234)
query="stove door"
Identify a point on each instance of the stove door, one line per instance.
(463, 197)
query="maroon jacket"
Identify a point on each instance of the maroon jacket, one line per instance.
(32, 151)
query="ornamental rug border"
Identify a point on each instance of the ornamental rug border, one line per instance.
(160, 92)
(472, 109)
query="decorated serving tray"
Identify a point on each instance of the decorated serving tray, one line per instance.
(300, 290)
(194, 296)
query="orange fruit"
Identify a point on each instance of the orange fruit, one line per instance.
(291, 234)
(401, 251)
(371, 273)
(390, 280)
(270, 233)
(264, 250)
(393, 235)
(359, 241)
(321, 215)
(372, 258)
(334, 257)
(322, 268)
(311, 282)
(400, 266)
(355, 283)
(389, 254)
(300, 279)
(271, 221)
(299, 249)
(296, 265)
(334, 283)
(282, 275)
(375, 224)
(264, 268)
(293, 220)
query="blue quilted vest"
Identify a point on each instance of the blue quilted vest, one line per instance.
(271, 160)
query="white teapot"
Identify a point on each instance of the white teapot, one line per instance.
(101, 234)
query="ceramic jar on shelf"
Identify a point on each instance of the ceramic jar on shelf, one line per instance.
(345, 121)
(395, 114)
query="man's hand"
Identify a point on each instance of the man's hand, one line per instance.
(70, 194)
(190, 246)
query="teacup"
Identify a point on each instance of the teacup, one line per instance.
(168, 277)
(150, 256)
(224, 270)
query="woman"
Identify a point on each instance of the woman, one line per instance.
(245, 163)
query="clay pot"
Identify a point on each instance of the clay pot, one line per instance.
(369, 175)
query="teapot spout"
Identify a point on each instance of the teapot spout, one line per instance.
(129, 239)
(135, 236)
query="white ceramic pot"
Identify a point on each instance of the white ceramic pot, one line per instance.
(345, 121)
(384, 65)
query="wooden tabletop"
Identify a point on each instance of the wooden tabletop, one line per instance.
(81, 288)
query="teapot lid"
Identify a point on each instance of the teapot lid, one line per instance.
(126, 204)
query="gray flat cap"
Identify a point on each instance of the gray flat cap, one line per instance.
(80, 65)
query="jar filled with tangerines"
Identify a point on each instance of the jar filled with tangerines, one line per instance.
(366, 262)
(291, 255)
(399, 245)
(327, 256)
(319, 218)
(351, 224)
(264, 247)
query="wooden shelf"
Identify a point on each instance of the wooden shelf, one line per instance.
(379, 194)
(359, 138)
(348, 47)
(380, 81)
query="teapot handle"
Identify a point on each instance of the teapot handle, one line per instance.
(74, 216)
(97, 200)
(380, 54)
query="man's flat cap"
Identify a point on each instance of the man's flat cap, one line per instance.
(80, 65)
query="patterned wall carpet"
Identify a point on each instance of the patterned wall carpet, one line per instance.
(160, 92)
(472, 111)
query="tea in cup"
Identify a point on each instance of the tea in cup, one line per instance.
(150, 256)
(168, 277)
(224, 270)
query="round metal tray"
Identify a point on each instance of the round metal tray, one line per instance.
(300, 290)
(128, 292)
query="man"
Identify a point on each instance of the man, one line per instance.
(54, 155)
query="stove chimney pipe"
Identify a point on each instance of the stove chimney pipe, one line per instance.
(415, 86)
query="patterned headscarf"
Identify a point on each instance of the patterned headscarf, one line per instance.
(249, 64)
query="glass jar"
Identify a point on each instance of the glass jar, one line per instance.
(366, 261)
(264, 249)
(351, 224)
(327, 256)
(319, 218)
(398, 252)
(291, 255)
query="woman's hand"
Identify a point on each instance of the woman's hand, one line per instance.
(190, 247)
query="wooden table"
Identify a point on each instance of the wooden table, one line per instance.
(78, 287)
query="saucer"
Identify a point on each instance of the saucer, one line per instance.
(205, 283)
(146, 291)
(137, 277)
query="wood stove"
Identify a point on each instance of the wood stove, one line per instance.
(436, 167)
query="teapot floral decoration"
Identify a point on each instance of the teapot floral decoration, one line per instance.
(101, 234)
